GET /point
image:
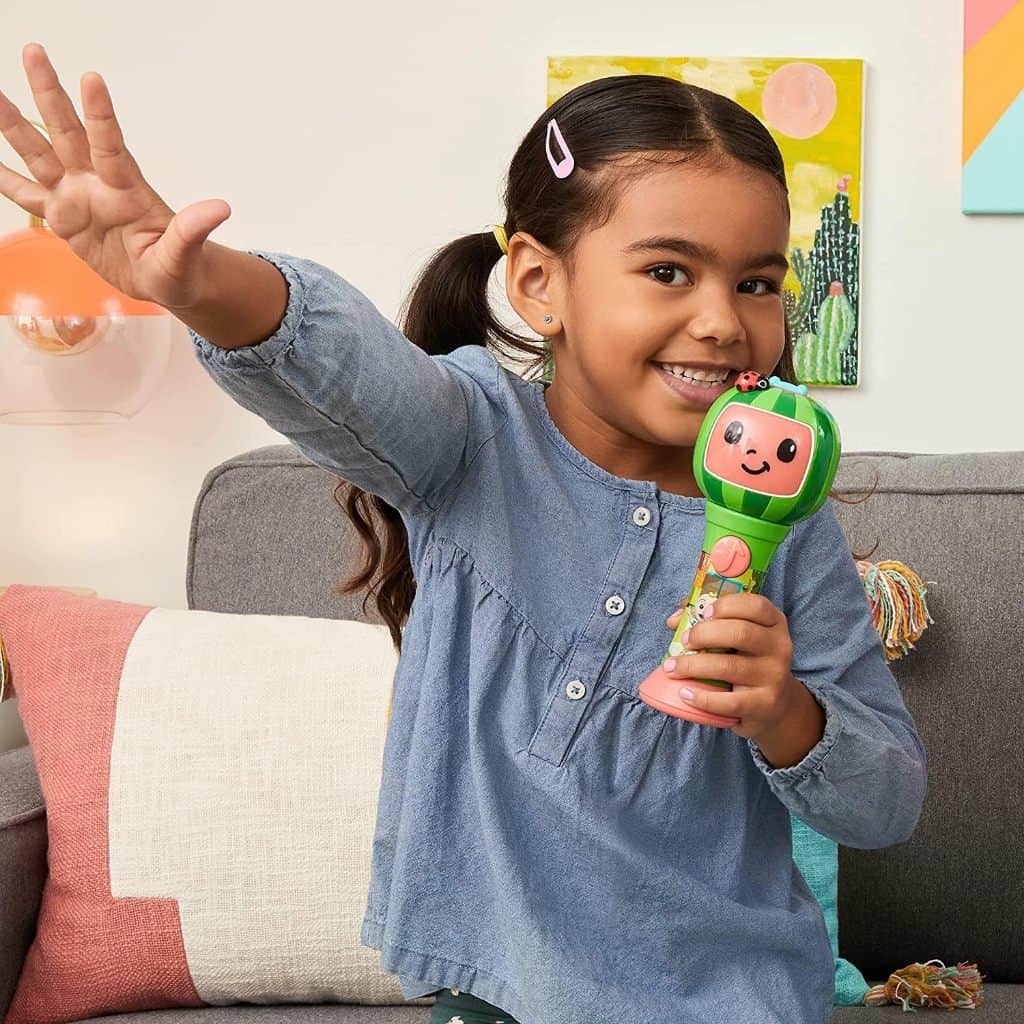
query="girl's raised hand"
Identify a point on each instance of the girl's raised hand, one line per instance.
(89, 190)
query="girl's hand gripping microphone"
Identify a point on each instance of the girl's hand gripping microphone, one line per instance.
(765, 458)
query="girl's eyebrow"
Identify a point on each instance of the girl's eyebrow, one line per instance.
(699, 251)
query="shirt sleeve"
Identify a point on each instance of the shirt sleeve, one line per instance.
(863, 784)
(358, 398)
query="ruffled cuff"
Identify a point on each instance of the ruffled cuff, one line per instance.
(265, 352)
(815, 757)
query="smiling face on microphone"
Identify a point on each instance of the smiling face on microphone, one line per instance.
(759, 450)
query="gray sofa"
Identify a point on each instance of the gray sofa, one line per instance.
(268, 537)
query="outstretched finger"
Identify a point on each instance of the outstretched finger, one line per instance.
(67, 136)
(30, 144)
(27, 194)
(112, 161)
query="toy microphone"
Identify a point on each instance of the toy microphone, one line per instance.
(765, 458)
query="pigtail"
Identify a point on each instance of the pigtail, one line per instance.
(447, 307)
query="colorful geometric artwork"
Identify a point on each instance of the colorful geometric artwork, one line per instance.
(993, 130)
(814, 111)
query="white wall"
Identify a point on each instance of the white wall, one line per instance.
(289, 111)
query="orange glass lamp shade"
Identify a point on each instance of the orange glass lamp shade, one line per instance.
(73, 349)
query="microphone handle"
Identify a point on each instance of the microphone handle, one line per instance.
(734, 558)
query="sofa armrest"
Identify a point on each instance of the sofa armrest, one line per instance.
(23, 864)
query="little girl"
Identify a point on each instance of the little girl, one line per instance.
(549, 848)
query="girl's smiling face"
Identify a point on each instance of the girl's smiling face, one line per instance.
(687, 270)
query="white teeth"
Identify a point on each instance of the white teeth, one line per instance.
(703, 376)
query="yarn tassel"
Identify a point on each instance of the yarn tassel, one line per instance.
(899, 611)
(927, 985)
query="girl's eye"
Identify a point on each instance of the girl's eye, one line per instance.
(669, 267)
(667, 270)
(769, 285)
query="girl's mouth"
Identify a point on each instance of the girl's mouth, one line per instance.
(699, 393)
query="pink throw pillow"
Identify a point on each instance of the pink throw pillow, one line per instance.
(210, 782)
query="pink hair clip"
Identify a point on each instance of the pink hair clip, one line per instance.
(562, 168)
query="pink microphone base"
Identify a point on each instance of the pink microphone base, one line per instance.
(661, 691)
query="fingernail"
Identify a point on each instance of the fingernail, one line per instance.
(711, 611)
(669, 665)
(686, 693)
(685, 637)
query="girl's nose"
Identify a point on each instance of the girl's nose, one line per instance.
(718, 323)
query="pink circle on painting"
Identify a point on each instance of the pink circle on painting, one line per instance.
(799, 100)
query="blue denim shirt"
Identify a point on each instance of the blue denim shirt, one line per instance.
(545, 840)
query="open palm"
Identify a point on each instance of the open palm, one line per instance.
(90, 191)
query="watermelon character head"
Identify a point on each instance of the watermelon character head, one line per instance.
(767, 452)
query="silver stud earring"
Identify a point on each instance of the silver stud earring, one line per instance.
(548, 318)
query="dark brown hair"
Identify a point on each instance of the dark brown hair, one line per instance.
(616, 127)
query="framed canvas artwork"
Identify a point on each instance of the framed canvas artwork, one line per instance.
(993, 128)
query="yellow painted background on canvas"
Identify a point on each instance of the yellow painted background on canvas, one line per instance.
(813, 165)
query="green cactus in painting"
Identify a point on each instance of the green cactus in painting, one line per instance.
(824, 322)
(818, 356)
(836, 322)
(797, 309)
(836, 253)
(804, 349)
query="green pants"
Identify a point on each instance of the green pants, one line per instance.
(465, 1009)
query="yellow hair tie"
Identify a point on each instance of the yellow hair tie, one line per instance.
(499, 234)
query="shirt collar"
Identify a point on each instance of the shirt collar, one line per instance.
(642, 488)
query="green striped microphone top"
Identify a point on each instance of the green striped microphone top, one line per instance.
(767, 450)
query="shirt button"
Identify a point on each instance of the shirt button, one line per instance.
(641, 516)
(614, 605)
(575, 689)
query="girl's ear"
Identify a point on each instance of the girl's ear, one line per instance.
(534, 280)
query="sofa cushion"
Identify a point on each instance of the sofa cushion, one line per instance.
(210, 783)
(955, 519)
(22, 862)
(1004, 1004)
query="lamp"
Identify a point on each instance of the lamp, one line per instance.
(73, 349)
